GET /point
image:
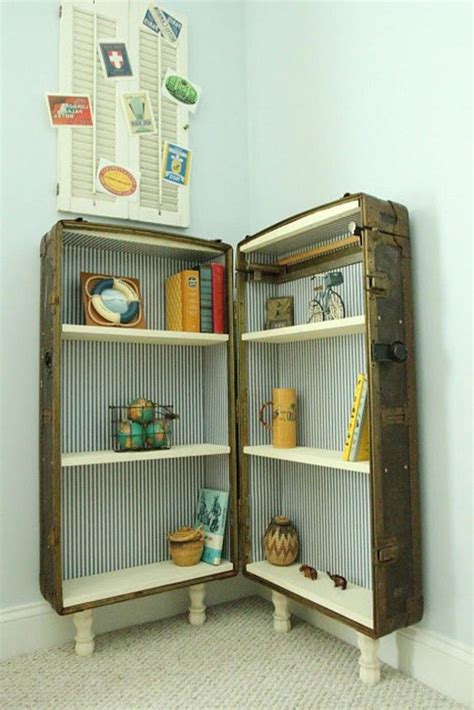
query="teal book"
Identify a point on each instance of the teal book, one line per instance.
(211, 516)
(205, 287)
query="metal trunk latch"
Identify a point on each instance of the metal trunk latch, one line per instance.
(390, 352)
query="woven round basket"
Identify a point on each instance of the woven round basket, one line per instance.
(186, 546)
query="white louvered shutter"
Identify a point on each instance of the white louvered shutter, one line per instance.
(159, 201)
(80, 149)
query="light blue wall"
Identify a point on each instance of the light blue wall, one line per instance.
(375, 97)
(219, 209)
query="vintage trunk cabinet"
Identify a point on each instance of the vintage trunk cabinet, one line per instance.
(105, 515)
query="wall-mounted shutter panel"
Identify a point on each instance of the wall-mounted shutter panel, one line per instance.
(80, 149)
(159, 200)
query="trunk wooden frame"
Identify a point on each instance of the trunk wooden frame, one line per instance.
(396, 561)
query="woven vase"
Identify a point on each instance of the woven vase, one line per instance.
(280, 542)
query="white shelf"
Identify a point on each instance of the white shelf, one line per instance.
(354, 602)
(135, 579)
(307, 455)
(88, 458)
(140, 335)
(309, 331)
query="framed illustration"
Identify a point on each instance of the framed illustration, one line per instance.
(112, 301)
(279, 312)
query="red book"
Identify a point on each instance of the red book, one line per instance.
(218, 298)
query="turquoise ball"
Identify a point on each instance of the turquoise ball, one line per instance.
(155, 434)
(141, 410)
(130, 436)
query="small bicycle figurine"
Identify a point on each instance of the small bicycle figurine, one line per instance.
(329, 306)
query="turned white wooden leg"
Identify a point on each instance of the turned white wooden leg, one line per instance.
(369, 664)
(84, 637)
(197, 608)
(281, 615)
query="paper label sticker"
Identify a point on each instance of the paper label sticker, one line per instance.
(114, 59)
(161, 22)
(117, 180)
(176, 164)
(69, 110)
(138, 112)
(180, 90)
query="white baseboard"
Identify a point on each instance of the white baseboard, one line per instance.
(443, 664)
(31, 627)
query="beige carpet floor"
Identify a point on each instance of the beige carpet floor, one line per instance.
(235, 660)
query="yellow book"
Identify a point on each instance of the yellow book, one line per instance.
(182, 302)
(353, 418)
(363, 449)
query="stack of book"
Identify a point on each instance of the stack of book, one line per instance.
(195, 300)
(356, 447)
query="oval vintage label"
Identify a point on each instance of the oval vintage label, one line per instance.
(118, 181)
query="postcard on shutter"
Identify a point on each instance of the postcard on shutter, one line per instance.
(176, 164)
(117, 180)
(70, 110)
(138, 112)
(180, 90)
(114, 59)
(161, 22)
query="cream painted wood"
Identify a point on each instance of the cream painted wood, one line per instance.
(177, 133)
(197, 608)
(281, 615)
(309, 331)
(310, 456)
(91, 458)
(369, 664)
(84, 637)
(73, 69)
(159, 245)
(354, 602)
(127, 17)
(135, 579)
(140, 335)
(302, 227)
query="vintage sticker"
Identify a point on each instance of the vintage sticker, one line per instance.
(161, 22)
(69, 110)
(138, 112)
(114, 59)
(180, 90)
(176, 164)
(117, 180)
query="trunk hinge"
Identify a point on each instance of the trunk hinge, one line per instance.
(377, 283)
(387, 552)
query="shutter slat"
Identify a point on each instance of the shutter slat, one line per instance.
(86, 63)
(149, 152)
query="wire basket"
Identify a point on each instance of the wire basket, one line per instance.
(142, 425)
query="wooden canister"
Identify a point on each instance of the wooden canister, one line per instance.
(283, 426)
